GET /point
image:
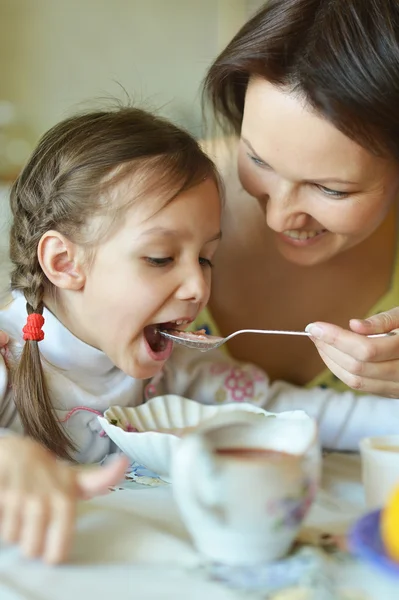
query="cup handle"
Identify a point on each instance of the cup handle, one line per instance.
(196, 480)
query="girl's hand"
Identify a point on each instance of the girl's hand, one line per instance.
(364, 364)
(38, 496)
(3, 339)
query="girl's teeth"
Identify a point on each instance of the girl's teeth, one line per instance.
(181, 322)
(301, 235)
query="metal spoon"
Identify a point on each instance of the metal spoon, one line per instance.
(205, 342)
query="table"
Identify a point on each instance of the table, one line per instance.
(132, 544)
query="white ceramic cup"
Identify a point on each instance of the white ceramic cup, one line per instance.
(244, 507)
(380, 468)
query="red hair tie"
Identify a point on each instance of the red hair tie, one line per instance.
(33, 328)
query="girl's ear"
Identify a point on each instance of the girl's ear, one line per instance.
(61, 261)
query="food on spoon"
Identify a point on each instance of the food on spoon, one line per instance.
(390, 525)
(200, 334)
(193, 336)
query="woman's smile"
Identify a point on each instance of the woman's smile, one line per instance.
(302, 238)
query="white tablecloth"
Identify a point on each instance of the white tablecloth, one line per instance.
(132, 544)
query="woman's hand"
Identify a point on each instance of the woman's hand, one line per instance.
(38, 496)
(364, 364)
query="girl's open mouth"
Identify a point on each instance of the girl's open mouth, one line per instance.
(158, 347)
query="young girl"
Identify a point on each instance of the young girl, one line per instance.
(116, 219)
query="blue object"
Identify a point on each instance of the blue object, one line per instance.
(206, 328)
(366, 543)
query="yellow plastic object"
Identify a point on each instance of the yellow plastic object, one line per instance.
(390, 526)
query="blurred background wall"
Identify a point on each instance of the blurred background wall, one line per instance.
(58, 56)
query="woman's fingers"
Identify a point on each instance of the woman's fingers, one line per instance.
(364, 364)
(360, 383)
(383, 371)
(359, 347)
(380, 323)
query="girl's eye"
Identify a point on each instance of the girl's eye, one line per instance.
(158, 262)
(205, 262)
(332, 193)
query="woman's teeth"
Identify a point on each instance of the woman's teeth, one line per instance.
(302, 235)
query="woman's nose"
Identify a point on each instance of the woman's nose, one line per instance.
(283, 209)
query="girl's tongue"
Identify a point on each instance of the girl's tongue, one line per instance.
(158, 347)
(155, 340)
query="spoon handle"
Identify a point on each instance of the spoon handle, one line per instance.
(288, 332)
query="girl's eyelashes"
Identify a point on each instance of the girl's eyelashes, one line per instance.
(163, 262)
(205, 262)
(158, 262)
(333, 193)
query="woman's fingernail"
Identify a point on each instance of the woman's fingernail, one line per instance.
(314, 330)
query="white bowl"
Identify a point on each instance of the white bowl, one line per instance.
(161, 421)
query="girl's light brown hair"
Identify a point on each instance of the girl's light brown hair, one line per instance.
(62, 187)
(342, 56)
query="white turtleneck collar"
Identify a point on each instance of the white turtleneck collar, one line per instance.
(60, 347)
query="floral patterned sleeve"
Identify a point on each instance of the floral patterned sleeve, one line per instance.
(210, 378)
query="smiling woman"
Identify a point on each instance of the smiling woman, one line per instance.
(321, 197)
(310, 90)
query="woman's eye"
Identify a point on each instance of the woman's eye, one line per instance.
(205, 262)
(158, 262)
(333, 193)
(258, 161)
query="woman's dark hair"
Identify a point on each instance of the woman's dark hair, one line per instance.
(342, 56)
(64, 184)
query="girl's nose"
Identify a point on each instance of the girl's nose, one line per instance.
(194, 286)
